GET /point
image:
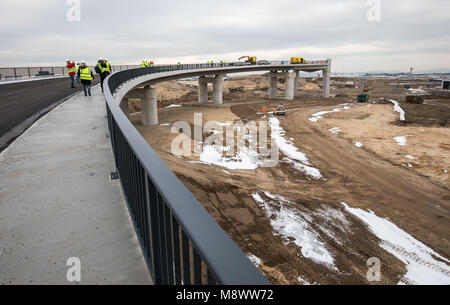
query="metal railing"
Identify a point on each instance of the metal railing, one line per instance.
(24, 72)
(181, 242)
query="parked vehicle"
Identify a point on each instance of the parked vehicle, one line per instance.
(298, 60)
(250, 60)
(263, 62)
(279, 110)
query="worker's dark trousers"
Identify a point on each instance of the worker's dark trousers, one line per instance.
(102, 78)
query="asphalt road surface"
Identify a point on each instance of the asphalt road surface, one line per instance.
(21, 104)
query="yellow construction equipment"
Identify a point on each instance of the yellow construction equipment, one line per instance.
(298, 60)
(250, 59)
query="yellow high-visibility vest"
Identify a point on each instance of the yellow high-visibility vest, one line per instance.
(70, 70)
(86, 73)
(104, 69)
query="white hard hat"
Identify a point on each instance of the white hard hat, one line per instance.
(100, 58)
(82, 61)
(67, 59)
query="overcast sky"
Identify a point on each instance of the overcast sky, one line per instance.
(411, 33)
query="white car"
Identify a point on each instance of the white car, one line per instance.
(280, 110)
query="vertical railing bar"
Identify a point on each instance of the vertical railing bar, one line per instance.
(156, 246)
(141, 205)
(186, 259)
(169, 247)
(162, 247)
(197, 267)
(145, 212)
(176, 250)
(150, 249)
(139, 199)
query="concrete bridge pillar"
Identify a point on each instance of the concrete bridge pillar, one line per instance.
(326, 73)
(273, 86)
(297, 76)
(218, 89)
(149, 107)
(290, 85)
(202, 90)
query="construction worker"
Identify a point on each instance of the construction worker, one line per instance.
(144, 64)
(86, 76)
(77, 67)
(221, 63)
(178, 64)
(208, 63)
(71, 70)
(105, 69)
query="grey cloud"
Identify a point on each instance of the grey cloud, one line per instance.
(127, 31)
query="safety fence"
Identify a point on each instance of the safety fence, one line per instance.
(181, 242)
(29, 72)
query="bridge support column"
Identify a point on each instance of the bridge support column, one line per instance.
(202, 90)
(218, 89)
(326, 74)
(149, 107)
(297, 76)
(290, 86)
(273, 86)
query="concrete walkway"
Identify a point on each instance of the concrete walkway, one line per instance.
(57, 202)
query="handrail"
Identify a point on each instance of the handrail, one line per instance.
(165, 212)
(168, 219)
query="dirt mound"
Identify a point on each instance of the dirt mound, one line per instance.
(310, 86)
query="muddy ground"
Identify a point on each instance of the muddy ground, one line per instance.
(302, 230)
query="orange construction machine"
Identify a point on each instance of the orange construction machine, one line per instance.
(250, 59)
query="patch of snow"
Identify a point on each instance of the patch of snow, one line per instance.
(410, 157)
(254, 259)
(424, 266)
(335, 130)
(295, 226)
(226, 172)
(174, 105)
(303, 281)
(165, 124)
(296, 158)
(416, 91)
(246, 158)
(398, 109)
(319, 115)
(359, 144)
(402, 141)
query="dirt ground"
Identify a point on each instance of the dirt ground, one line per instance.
(405, 185)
